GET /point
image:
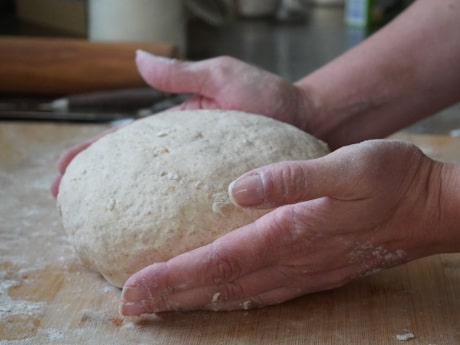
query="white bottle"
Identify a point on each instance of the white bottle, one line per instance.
(157, 21)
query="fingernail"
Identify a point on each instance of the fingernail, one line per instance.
(134, 309)
(247, 191)
(135, 300)
(135, 292)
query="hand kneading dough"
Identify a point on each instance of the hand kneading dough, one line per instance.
(158, 187)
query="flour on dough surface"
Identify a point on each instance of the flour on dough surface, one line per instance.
(158, 187)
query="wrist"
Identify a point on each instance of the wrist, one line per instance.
(311, 110)
(335, 116)
(448, 230)
(438, 220)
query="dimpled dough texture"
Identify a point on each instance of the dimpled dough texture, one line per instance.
(158, 187)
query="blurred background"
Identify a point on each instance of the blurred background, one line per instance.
(288, 37)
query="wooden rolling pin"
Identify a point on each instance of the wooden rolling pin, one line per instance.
(56, 66)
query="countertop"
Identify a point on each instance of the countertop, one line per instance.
(47, 297)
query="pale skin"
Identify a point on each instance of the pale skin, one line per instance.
(365, 207)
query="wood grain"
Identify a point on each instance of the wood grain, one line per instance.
(64, 66)
(47, 297)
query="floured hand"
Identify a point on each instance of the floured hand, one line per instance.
(360, 209)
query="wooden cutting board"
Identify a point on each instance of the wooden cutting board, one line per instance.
(47, 297)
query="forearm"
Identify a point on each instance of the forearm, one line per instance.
(406, 71)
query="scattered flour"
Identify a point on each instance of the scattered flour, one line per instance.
(10, 307)
(405, 336)
(54, 334)
(215, 297)
(246, 305)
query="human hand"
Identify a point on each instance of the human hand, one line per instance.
(360, 209)
(69, 154)
(227, 83)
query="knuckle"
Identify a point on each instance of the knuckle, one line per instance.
(286, 183)
(221, 64)
(224, 60)
(283, 221)
(221, 268)
(224, 68)
(212, 73)
(166, 302)
(228, 292)
(281, 229)
(293, 175)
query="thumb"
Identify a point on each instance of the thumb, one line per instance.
(172, 75)
(295, 181)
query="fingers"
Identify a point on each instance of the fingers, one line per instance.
(63, 161)
(54, 188)
(236, 269)
(172, 75)
(68, 155)
(228, 295)
(271, 285)
(291, 182)
(221, 83)
(325, 280)
(350, 173)
(235, 255)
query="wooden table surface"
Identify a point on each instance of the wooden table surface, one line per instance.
(46, 297)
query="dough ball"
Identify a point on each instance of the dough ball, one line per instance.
(158, 187)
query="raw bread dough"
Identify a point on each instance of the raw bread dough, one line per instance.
(158, 187)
